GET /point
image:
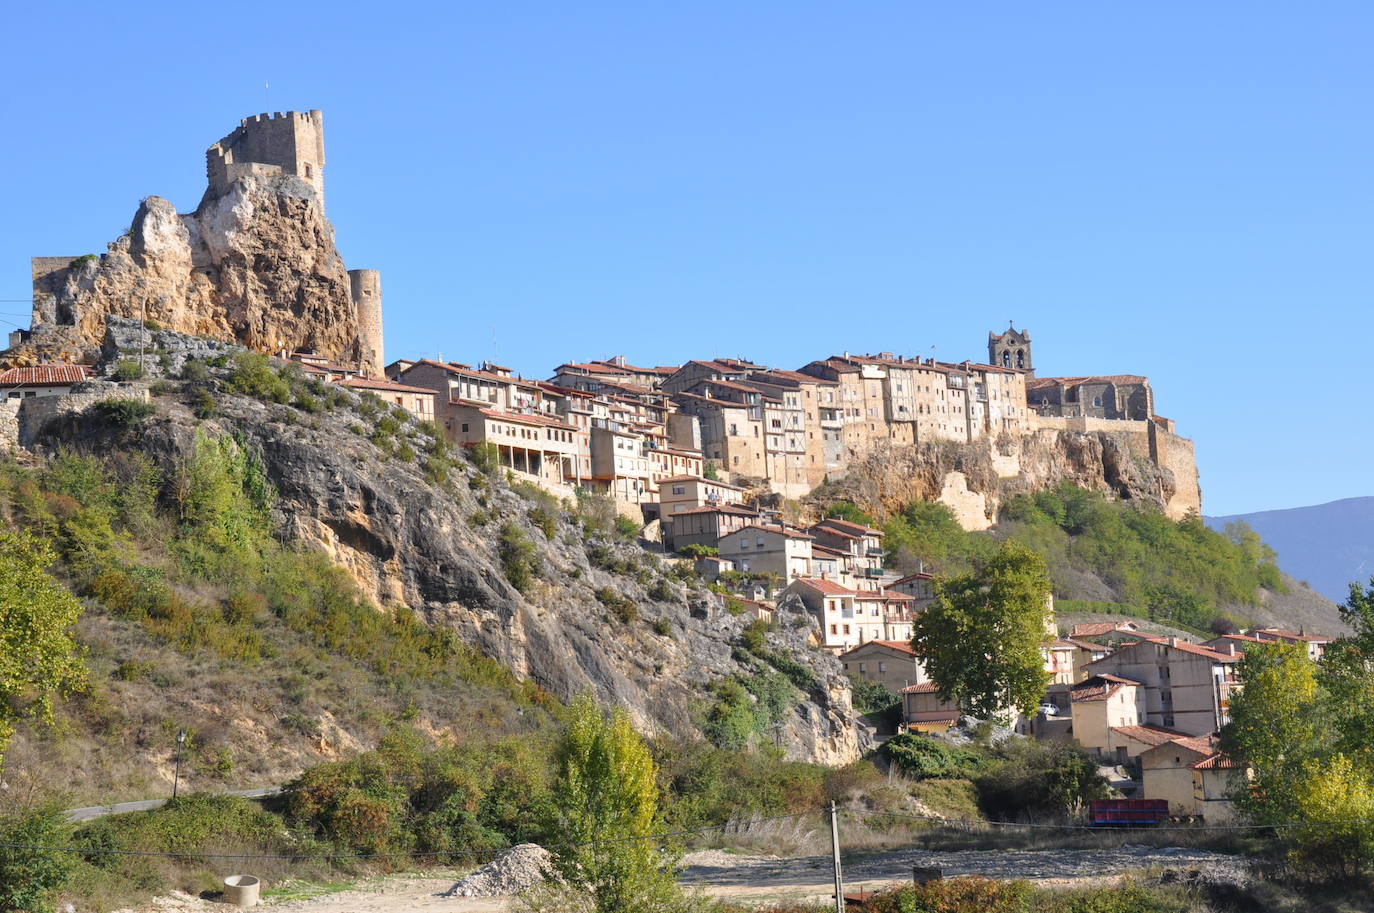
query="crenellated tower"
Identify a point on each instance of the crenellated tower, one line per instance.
(290, 143)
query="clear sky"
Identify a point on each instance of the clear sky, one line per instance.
(1175, 189)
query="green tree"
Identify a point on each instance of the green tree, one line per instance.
(980, 639)
(606, 799)
(1276, 724)
(38, 658)
(28, 875)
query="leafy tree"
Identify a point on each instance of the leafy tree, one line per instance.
(872, 697)
(852, 513)
(980, 639)
(38, 658)
(29, 876)
(606, 798)
(1275, 725)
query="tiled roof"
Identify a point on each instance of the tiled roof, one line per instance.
(1149, 735)
(363, 383)
(828, 587)
(910, 577)
(1292, 635)
(44, 375)
(853, 530)
(922, 688)
(527, 418)
(830, 551)
(777, 530)
(1213, 762)
(1099, 628)
(1036, 383)
(901, 646)
(735, 509)
(686, 478)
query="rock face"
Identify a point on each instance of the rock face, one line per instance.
(974, 479)
(436, 550)
(256, 265)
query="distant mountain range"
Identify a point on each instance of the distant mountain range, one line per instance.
(1329, 546)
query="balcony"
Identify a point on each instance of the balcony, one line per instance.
(871, 573)
(875, 552)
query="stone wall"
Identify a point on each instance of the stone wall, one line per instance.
(294, 142)
(35, 412)
(9, 425)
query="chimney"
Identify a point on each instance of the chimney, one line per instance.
(1173, 641)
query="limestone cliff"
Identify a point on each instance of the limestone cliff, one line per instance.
(435, 548)
(1154, 467)
(256, 265)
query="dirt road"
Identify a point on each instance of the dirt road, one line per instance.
(765, 878)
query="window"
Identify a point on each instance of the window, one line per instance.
(464, 426)
(834, 629)
(679, 489)
(882, 667)
(861, 667)
(846, 629)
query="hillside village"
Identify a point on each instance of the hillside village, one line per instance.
(704, 456)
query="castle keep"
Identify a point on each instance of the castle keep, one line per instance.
(255, 264)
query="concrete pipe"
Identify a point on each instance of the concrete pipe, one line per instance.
(241, 890)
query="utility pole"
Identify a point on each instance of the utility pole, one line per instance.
(835, 854)
(176, 780)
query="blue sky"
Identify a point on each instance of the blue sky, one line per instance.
(1175, 189)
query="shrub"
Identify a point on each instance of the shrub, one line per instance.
(162, 387)
(127, 369)
(545, 520)
(436, 469)
(307, 403)
(663, 627)
(194, 370)
(486, 457)
(252, 375)
(405, 453)
(1039, 779)
(753, 636)
(626, 529)
(873, 697)
(696, 550)
(123, 413)
(202, 404)
(29, 876)
(921, 756)
(735, 606)
(517, 557)
(621, 606)
(662, 590)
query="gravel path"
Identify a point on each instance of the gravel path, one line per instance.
(755, 878)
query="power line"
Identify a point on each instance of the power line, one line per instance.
(1107, 829)
(414, 854)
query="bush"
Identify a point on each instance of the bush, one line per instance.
(202, 404)
(696, 550)
(163, 387)
(626, 529)
(486, 457)
(127, 370)
(922, 757)
(252, 375)
(752, 637)
(873, 697)
(194, 370)
(663, 627)
(123, 413)
(663, 591)
(1039, 780)
(517, 557)
(621, 606)
(30, 877)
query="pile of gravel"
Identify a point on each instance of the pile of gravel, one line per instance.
(513, 871)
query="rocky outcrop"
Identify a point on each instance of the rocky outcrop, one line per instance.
(974, 479)
(256, 265)
(435, 549)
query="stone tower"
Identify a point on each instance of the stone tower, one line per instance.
(1011, 349)
(365, 287)
(290, 143)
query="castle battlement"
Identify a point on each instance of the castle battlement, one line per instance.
(290, 142)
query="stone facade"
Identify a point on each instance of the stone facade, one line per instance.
(290, 143)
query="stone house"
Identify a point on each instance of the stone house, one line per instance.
(923, 710)
(418, 401)
(801, 396)
(861, 547)
(892, 663)
(1102, 703)
(1117, 396)
(620, 466)
(705, 525)
(920, 586)
(686, 492)
(1187, 686)
(758, 549)
(1315, 646)
(41, 380)
(1059, 663)
(1214, 779)
(1166, 772)
(850, 617)
(731, 434)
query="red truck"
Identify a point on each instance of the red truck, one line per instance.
(1127, 812)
